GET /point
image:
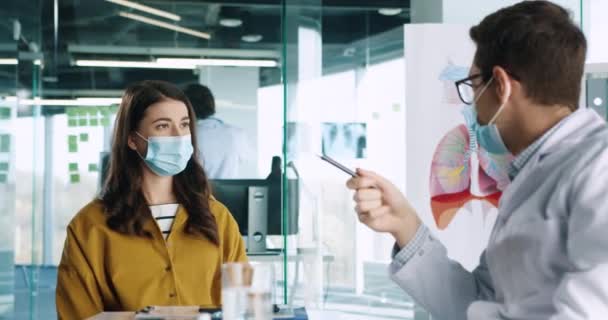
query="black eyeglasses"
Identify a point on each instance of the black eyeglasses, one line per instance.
(466, 88)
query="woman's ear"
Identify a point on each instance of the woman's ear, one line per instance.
(131, 142)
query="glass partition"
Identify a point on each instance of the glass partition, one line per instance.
(63, 68)
(8, 111)
(297, 78)
(346, 84)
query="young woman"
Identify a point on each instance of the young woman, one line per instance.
(155, 236)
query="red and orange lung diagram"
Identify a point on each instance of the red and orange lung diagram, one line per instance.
(456, 179)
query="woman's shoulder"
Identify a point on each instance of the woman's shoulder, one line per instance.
(90, 215)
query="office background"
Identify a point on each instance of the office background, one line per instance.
(301, 66)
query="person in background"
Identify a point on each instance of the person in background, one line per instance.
(223, 147)
(155, 235)
(547, 257)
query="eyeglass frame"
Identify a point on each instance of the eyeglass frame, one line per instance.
(471, 77)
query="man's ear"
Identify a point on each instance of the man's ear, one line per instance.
(503, 84)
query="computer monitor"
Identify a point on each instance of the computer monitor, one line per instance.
(234, 195)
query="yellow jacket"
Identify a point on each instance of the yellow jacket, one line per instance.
(103, 270)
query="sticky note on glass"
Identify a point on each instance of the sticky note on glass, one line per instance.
(105, 122)
(114, 109)
(93, 167)
(82, 111)
(5, 112)
(84, 137)
(93, 122)
(92, 111)
(71, 111)
(74, 178)
(72, 122)
(5, 143)
(105, 111)
(3, 178)
(73, 166)
(72, 143)
(3, 166)
(82, 122)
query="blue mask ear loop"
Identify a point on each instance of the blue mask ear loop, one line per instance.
(502, 107)
(146, 140)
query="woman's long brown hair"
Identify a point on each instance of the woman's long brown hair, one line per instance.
(122, 196)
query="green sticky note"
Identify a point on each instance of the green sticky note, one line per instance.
(114, 109)
(72, 147)
(3, 166)
(82, 122)
(73, 166)
(72, 139)
(71, 111)
(105, 111)
(105, 122)
(92, 111)
(3, 178)
(84, 137)
(72, 123)
(74, 178)
(93, 122)
(5, 112)
(82, 111)
(5, 143)
(93, 167)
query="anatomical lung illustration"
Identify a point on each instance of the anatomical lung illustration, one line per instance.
(453, 182)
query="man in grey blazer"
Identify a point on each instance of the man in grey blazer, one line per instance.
(547, 257)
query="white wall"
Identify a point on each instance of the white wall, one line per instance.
(455, 11)
(596, 22)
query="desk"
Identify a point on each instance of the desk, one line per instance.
(312, 315)
(302, 255)
(299, 314)
(292, 257)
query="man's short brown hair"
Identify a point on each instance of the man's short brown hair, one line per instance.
(539, 45)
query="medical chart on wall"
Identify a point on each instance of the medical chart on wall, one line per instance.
(454, 185)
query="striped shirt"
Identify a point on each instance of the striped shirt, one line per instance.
(164, 214)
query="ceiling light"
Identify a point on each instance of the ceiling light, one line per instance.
(99, 101)
(231, 22)
(165, 25)
(252, 37)
(150, 10)
(389, 11)
(129, 64)
(177, 63)
(78, 102)
(8, 61)
(12, 61)
(218, 62)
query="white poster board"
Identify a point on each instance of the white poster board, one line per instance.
(436, 55)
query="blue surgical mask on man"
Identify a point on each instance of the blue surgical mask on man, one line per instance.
(488, 135)
(167, 156)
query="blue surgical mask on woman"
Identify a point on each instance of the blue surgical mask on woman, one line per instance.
(488, 135)
(168, 156)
